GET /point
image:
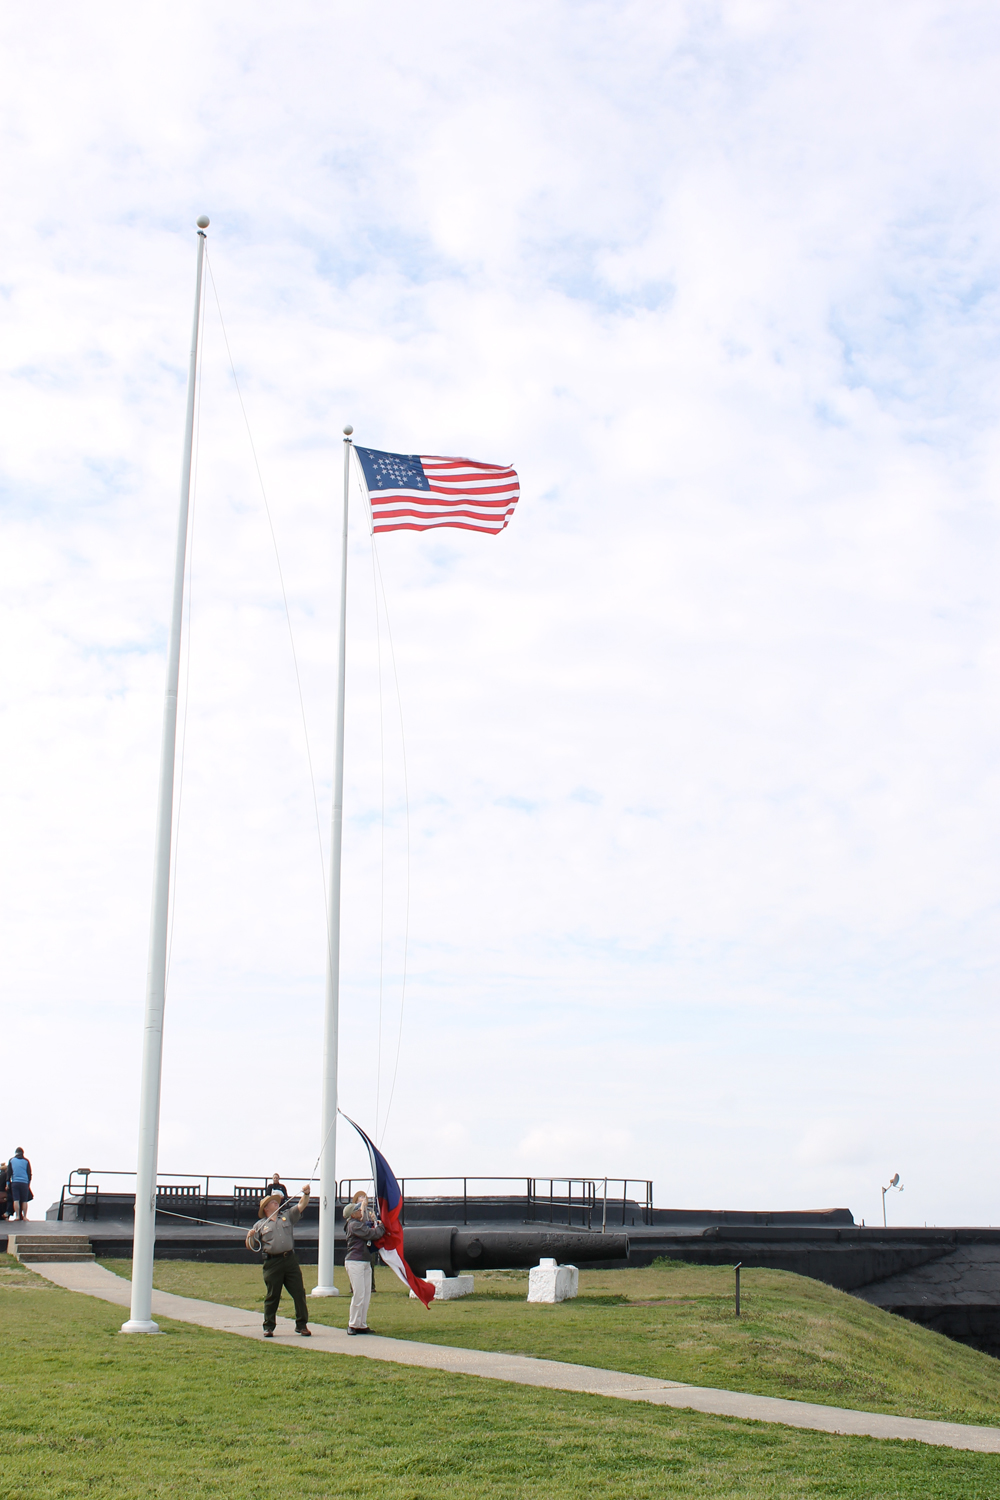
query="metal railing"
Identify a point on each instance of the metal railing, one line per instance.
(592, 1194)
(89, 1196)
(534, 1197)
(84, 1194)
(645, 1206)
(557, 1197)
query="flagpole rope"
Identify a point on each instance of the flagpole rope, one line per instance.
(284, 600)
(187, 669)
(175, 841)
(381, 928)
(380, 588)
(406, 796)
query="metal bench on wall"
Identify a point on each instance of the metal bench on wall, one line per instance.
(247, 1200)
(169, 1194)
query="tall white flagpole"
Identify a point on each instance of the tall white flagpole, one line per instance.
(144, 1234)
(328, 1124)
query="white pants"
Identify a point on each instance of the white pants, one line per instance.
(360, 1273)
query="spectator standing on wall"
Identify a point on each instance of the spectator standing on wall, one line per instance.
(19, 1183)
(4, 1204)
(278, 1187)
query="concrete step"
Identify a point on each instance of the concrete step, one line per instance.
(35, 1248)
(48, 1257)
(49, 1241)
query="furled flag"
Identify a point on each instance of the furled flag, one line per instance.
(413, 492)
(390, 1202)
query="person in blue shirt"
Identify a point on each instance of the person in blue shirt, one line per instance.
(19, 1183)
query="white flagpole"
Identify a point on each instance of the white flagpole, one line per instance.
(144, 1233)
(328, 1123)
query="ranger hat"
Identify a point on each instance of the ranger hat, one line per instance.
(265, 1203)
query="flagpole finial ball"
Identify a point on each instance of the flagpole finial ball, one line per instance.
(203, 221)
(348, 430)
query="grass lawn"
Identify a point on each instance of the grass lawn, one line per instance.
(89, 1412)
(797, 1338)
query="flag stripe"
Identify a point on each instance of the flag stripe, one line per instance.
(505, 496)
(469, 492)
(430, 525)
(408, 519)
(466, 465)
(405, 508)
(488, 509)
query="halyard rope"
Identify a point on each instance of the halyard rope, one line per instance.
(406, 797)
(284, 600)
(379, 589)
(381, 920)
(175, 842)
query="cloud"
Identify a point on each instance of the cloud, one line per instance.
(722, 284)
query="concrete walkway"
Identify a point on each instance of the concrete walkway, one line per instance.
(520, 1369)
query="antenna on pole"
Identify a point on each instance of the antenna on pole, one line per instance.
(894, 1182)
(144, 1233)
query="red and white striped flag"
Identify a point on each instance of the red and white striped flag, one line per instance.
(411, 492)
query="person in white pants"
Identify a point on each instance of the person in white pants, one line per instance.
(362, 1228)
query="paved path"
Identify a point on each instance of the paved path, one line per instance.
(520, 1369)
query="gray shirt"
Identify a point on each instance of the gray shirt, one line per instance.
(359, 1232)
(277, 1235)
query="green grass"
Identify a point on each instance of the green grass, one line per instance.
(797, 1338)
(87, 1412)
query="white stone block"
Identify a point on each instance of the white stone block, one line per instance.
(549, 1282)
(447, 1288)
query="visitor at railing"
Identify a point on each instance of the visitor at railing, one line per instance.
(19, 1183)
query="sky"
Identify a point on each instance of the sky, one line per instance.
(686, 809)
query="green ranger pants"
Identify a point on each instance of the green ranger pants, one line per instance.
(284, 1271)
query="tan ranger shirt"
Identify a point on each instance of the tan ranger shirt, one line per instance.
(277, 1235)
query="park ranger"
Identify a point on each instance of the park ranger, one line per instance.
(274, 1234)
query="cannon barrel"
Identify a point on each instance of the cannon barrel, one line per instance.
(451, 1250)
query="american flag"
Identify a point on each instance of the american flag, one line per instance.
(415, 492)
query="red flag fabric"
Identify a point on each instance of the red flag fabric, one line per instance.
(390, 1203)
